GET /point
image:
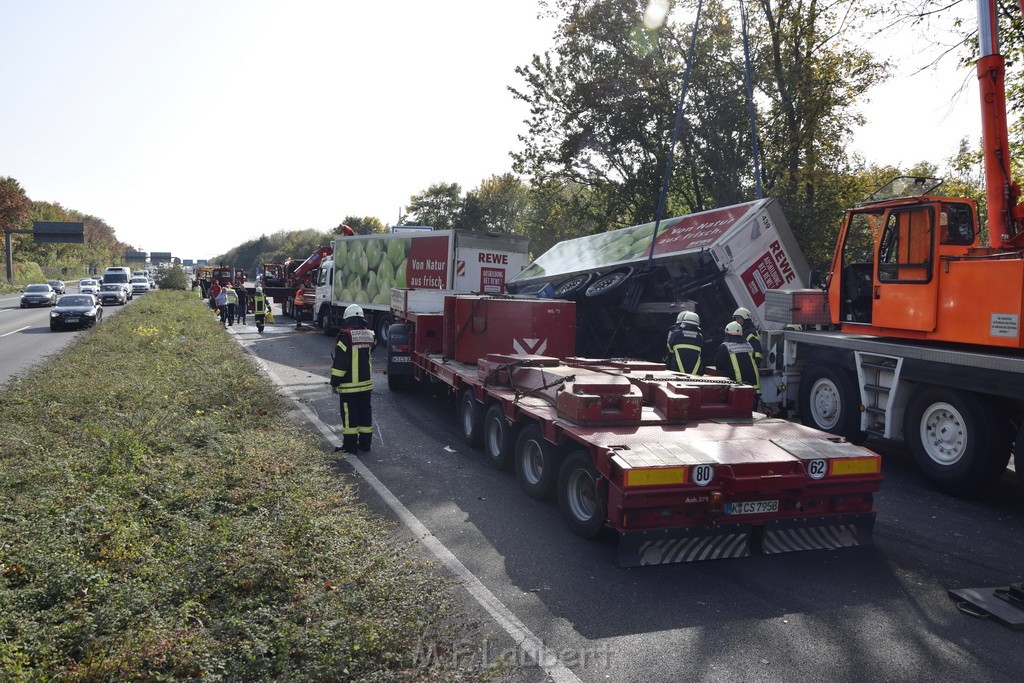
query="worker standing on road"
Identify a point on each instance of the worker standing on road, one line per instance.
(259, 309)
(351, 380)
(215, 290)
(750, 333)
(243, 305)
(232, 297)
(735, 358)
(298, 303)
(684, 344)
(222, 305)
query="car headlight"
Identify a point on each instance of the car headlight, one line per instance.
(54, 314)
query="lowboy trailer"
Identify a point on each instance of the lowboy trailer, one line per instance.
(680, 467)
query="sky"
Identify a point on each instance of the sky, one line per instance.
(192, 126)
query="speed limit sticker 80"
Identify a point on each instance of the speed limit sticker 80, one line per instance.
(701, 475)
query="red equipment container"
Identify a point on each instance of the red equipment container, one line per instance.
(475, 326)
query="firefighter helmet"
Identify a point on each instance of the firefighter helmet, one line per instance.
(691, 317)
(259, 290)
(734, 328)
(354, 311)
(741, 313)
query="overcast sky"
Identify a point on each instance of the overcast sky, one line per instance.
(191, 126)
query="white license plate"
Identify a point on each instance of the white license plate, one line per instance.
(71, 320)
(751, 507)
(401, 359)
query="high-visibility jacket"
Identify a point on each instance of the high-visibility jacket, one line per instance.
(259, 304)
(735, 359)
(299, 301)
(685, 342)
(351, 371)
(753, 338)
(232, 295)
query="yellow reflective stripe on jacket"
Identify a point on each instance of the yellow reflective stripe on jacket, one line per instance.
(679, 361)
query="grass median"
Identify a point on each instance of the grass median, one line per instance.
(160, 520)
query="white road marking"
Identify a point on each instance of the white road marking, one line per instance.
(533, 646)
(15, 331)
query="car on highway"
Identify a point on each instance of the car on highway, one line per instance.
(140, 285)
(38, 295)
(88, 286)
(113, 294)
(76, 311)
(58, 286)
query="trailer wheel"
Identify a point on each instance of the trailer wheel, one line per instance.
(499, 437)
(471, 415)
(580, 498)
(956, 440)
(829, 401)
(537, 463)
(572, 286)
(609, 283)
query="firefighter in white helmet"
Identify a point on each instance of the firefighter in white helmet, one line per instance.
(750, 333)
(351, 379)
(735, 358)
(685, 342)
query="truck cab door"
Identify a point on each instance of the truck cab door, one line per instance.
(905, 288)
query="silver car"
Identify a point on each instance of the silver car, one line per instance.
(113, 294)
(38, 295)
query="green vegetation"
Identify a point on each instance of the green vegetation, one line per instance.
(160, 520)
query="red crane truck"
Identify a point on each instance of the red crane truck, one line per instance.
(680, 467)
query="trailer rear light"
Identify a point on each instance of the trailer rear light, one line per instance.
(654, 476)
(847, 466)
(857, 502)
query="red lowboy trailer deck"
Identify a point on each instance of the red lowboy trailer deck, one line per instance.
(679, 466)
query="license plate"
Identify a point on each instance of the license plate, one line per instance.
(71, 320)
(401, 359)
(751, 507)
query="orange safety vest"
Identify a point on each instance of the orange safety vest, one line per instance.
(299, 301)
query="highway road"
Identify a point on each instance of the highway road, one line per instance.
(25, 336)
(878, 613)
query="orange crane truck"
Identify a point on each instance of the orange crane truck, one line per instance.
(917, 334)
(678, 466)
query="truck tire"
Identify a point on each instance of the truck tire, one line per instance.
(609, 284)
(499, 437)
(383, 324)
(471, 417)
(537, 463)
(323, 321)
(956, 439)
(581, 501)
(570, 288)
(829, 401)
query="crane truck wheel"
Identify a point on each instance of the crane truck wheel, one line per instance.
(581, 497)
(471, 417)
(957, 440)
(537, 463)
(829, 401)
(499, 437)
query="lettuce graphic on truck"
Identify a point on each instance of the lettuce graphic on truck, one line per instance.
(366, 270)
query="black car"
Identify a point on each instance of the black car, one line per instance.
(113, 294)
(38, 295)
(75, 311)
(58, 286)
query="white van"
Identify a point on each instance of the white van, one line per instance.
(119, 275)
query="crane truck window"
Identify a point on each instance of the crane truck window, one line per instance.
(957, 224)
(905, 252)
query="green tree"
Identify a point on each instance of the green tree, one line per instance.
(365, 225)
(439, 206)
(174, 277)
(497, 205)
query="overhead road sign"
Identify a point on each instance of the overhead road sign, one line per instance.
(58, 232)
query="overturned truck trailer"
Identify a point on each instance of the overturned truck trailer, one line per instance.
(710, 262)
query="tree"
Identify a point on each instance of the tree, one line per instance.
(497, 205)
(14, 203)
(366, 225)
(439, 206)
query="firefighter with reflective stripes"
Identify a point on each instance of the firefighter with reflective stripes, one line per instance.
(742, 316)
(735, 358)
(684, 344)
(351, 380)
(259, 308)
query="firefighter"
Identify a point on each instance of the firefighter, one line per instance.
(735, 358)
(750, 333)
(351, 380)
(232, 300)
(684, 344)
(259, 309)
